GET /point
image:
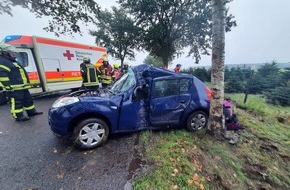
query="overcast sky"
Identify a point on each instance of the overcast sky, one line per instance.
(262, 34)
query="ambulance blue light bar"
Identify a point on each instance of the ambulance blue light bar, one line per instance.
(11, 38)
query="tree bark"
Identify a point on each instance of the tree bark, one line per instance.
(216, 118)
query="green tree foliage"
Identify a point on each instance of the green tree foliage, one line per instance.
(234, 85)
(269, 69)
(266, 77)
(201, 73)
(169, 26)
(117, 32)
(281, 93)
(150, 60)
(269, 80)
(236, 79)
(66, 16)
(257, 84)
(285, 76)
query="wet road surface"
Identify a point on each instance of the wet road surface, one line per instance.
(31, 157)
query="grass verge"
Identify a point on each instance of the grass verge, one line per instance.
(260, 160)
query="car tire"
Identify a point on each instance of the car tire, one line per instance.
(196, 121)
(90, 133)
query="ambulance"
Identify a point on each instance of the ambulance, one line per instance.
(52, 65)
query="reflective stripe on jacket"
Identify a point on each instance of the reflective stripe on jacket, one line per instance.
(106, 74)
(89, 74)
(12, 75)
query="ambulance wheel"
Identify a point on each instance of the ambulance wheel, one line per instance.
(90, 133)
(3, 98)
(196, 121)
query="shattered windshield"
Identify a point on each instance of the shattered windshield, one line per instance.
(126, 82)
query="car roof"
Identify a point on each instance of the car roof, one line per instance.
(155, 72)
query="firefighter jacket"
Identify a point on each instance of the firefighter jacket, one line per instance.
(89, 74)
(12, 75)
(106, 74)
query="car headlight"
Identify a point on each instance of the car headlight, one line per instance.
(64, 101)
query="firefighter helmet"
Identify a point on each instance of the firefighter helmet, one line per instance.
(116, 66)
(7, 49)
(106, 59)
(86, 59)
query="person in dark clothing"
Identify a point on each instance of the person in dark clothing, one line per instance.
(89, 74)
(125, 68)
(16, 83)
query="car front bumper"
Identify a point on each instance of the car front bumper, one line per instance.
(59, 120)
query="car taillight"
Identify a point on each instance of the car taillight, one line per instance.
(208, 92)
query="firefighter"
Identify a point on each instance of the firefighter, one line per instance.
(89, 74)
(16, 84)
(116, 70)
(106, 73)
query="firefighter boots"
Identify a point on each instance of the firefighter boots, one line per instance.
(33, 112)
(22, 118)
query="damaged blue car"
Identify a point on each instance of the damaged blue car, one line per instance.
(144, 98)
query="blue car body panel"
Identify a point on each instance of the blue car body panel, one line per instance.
(123, 112)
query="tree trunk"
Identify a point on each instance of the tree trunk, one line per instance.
(122, 62)
(216, 118)
(165, 62)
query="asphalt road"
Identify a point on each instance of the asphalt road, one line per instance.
(31, 157)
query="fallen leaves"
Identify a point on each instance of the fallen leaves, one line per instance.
(60, 175)
(175, 171)
(197, 181)
(197, 165)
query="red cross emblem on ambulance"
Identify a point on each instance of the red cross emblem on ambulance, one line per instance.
(68, 55)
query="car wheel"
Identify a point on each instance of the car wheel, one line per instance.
(196, 121)
(90, 133)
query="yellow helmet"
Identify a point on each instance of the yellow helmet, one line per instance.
(116, 66)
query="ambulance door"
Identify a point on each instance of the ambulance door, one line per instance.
(53, 71)
(25, 58)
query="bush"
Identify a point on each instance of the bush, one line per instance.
(279, 96)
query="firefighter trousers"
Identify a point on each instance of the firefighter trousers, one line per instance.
(20, 100)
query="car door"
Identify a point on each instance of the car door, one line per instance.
(169, 98)
(131, 113)
(130, 118)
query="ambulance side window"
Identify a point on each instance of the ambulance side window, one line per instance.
(22, 58)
